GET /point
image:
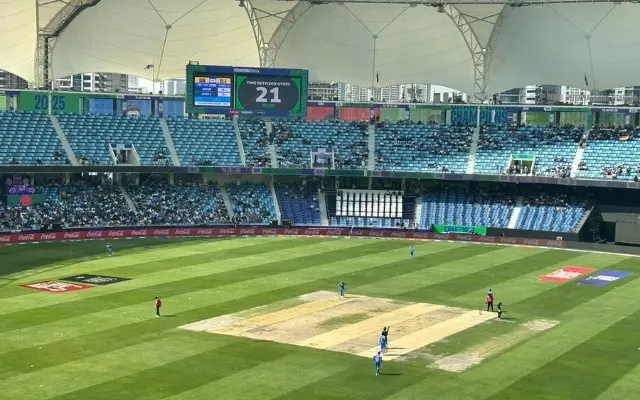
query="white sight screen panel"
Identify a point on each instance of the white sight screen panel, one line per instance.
(369, 203)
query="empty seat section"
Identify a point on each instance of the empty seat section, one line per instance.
(299, 203)
(611, 152)
(553, 147)
(558, 213)
(456, 206)
(204, 141)
(423, 147)
(90, 136)
(27, 137)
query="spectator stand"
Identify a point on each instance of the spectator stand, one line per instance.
(295, 140)
(407, 146)
(255, 140)
(179, 204)
(252, 203)
(210, 142)
(29, 138)
(454, 205)
(299, 202)
(611, 153)
(554, 148)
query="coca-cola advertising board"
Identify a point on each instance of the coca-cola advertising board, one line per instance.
(226, 231)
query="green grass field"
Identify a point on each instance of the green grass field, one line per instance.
(105, 343)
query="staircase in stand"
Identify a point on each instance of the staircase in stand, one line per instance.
(275, 202)
(513, 220)
(418, 212)
(371, 166)
(236, 129)
(63, 139)
(322, 203)
(577, 159)
(272, 147)
(169, 141)
(471, 164)
(227, 201)
(127, 197)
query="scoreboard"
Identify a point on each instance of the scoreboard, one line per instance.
(268, 92)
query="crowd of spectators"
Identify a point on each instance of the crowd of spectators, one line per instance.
(17, 217)
(253, 133)
(403, 147)
(517, 135)
(347, 140)
(188, 204)
(252, 203)
(83, 205)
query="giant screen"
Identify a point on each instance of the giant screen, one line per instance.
(269, 92)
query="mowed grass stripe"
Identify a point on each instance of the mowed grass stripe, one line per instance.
(483, 381)
(443, 271)
(72, 264)
(561, 298)
(183, 273)
(207, 290)
(22, 263)
(268, 380)
(73, 376)
(120, 332)
(486, 278)
(241, 248)
(586, 370)
(626, 387)
(179, 376)
(528, 285)
(361, 383)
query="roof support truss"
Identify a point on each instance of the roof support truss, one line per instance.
(268, 47)
(47, 34)
(480, 54)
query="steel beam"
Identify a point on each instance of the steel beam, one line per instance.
(271, 48)
(46, 36)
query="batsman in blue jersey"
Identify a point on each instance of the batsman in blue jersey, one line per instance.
(342, 286)
(377, 360)
(382, 341)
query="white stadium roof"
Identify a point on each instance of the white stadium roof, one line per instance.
(459, 45)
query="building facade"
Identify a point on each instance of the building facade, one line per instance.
(11, 81)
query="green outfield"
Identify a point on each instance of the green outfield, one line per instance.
(259, 318)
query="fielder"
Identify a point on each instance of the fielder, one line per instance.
(377, 361)
(411, 251)
(109, 249)
(342, 286)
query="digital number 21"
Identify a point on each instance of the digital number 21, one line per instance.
(263, 98)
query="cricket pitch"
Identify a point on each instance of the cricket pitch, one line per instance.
(413, 325)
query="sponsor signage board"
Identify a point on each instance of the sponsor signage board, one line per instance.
(603, 278)
(95, 279)
(56, 286)
(566, 274)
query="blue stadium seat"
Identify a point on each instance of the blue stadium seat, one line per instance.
(423, 147)
(206, 140)
(299, 203)
(252, 203)
(455, 206)
(27, 137)
(90, 136)
(553, 147)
